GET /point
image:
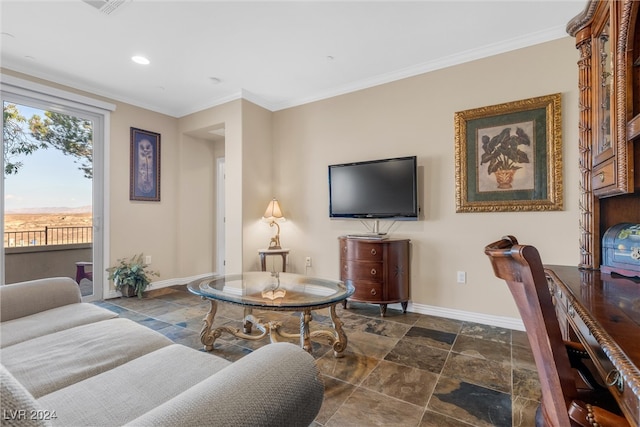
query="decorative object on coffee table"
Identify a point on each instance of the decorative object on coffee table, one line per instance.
(131, 276)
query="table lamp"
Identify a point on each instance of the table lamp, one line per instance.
(274, 214)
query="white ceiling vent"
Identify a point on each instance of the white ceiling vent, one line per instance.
(106, 6)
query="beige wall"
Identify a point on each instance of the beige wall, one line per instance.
(257, 190)
(135, 226)
(285, 154)
(247, 149)
(415, 117)
(149, 227)
(197, 206)
(178, 232)
(229, 117)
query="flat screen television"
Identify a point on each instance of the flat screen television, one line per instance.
(376, 189)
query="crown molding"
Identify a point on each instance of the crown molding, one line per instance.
(452, 60)
(426, 67)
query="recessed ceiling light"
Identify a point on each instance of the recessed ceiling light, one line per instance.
(140, 60)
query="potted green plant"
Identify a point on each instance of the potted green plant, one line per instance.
(503, 155)
(131, 276)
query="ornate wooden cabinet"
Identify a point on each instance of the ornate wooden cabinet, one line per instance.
(608, 37)
(592, 306)
(379, 270)
(596, 309)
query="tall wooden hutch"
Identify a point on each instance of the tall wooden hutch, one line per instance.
(608, 37)
(594, 306)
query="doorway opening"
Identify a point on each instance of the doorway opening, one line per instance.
(220, 216)
(48, 180)
(68, 137)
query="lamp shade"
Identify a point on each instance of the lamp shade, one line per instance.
(273, 211)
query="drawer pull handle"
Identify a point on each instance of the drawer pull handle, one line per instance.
(346, 268)
(373, 292)
(373, 271)
(601, 176)
(615, 379)
(373, 251)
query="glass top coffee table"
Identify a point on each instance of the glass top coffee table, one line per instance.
(277, 292)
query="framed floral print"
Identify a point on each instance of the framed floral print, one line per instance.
(509, 156)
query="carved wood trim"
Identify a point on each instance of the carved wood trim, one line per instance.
(622, 13)
(587, 221)
(629, 372)
(580, 21)
(625, 179)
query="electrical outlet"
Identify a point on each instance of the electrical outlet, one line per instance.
(147, 259)
(462, 276)
(307, 261)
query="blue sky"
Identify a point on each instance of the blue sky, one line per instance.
(48, 178)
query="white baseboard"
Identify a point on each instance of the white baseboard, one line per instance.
(179, 281)
(467, 316)
(163, 284)
(112, 294)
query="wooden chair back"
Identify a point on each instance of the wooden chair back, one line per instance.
(521, 267)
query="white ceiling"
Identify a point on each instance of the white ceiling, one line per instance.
(276, 54)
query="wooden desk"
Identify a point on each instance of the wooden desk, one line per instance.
(603, 312)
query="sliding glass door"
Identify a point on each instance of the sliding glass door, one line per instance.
(53, 198)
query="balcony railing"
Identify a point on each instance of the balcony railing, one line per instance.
(48, 236)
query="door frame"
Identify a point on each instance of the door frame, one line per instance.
(14, 89)
(220, 216)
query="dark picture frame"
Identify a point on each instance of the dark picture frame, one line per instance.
(509, 156)
(144, 182)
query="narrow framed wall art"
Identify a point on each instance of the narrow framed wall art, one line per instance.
(144, 182)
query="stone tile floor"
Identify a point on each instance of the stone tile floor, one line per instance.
(401, 370)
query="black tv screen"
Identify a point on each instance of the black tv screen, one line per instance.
(380, 189)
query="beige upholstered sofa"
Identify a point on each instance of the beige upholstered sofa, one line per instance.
(70, 363)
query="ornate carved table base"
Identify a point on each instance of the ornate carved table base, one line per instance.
(336, 338)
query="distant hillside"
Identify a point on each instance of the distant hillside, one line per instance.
(54, 210)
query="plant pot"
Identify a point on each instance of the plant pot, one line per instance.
(128, 291)
(505, 178)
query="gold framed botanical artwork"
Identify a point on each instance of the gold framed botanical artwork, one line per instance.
(509, 156)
